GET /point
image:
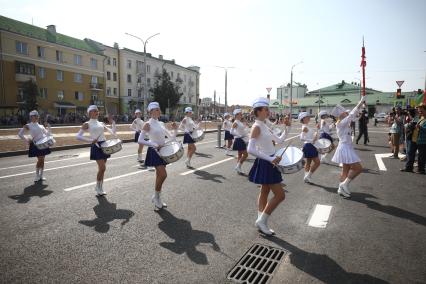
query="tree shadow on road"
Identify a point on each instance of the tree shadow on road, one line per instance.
(107, 212)
(185, 238)
(209, 176)
(203, 155)
(321, 266)
(37, 189)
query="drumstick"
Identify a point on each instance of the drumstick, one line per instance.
(285, 149)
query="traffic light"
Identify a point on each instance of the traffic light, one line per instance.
(399, 94)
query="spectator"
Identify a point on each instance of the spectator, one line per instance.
(410, 127)
(395, 131)
(419, 137)
(362, 127)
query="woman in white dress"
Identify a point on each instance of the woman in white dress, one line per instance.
(309, 136)
(345, 152)
(137, 126)
(227, 125)
(240, 132)
(188, 126)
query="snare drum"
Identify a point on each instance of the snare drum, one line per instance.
(171, 151)
(111, 146)
(292, 160)
(197, 135)
(45, 142)
(323, 145)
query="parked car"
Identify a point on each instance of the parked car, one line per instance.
(382, 117)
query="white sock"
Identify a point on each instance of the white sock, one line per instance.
(239, 165)
(264, 218)
(306, 173)
(258, 214)
(346, 181)
(37, 172)
(157, 194)
(309, 174)
(99, 184)
(40, 172)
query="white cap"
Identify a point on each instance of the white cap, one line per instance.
(188, 109)
(323, 112)
(153, 105)
(225, 114)
(138, 111)
(260, 102)
(237, 111)
(302, 115)
(34, 113)
(337, 111)
(92, 107)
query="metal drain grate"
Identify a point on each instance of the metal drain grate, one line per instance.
(257, 265)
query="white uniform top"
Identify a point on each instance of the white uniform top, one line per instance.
(264, 140)
(343, 128)
(157, 134)
(227, 125)
(188, 125)
(37, 131)
(324, 127)
(307, 137)
(137, 125)
(240, 131)
(96, 131)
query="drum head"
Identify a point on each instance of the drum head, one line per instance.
(322, 143)
(111, 142)
(43, 140)
(169, 149)
(291, 156)
(197, 133)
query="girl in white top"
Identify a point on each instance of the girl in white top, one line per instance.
(97, 138)
(240, 132)
(227, 126)
(157, 133)
(325, 131)
(188, 125)
(345, 152)
(37, 133)
(264, 169)
(137, 126)
(309, 136)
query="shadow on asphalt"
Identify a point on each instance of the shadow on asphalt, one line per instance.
(209, 156)
(185, 238)
(321, 266)
(208, 176)
(37, 189)
(107, 212)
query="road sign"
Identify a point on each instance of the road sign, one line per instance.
(269, 89)
(399, 83)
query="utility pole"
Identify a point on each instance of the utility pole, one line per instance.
(226, 85)
(291, 89)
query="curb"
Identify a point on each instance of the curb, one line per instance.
(69, 147)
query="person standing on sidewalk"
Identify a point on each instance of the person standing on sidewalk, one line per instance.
(362, 127)
(410, 129)
(419, 136)
(395, 132)
(137, 126)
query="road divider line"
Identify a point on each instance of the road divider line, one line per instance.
(320, 215)
(207, 166)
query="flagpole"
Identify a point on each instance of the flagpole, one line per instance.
(363, 64)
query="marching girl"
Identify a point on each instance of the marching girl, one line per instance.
(309, 136)
(227, 125)
(37, 133)
(325, 131)
(137, 126)
(239, 131)
(156, 132)
(345, 153)
(263, 171)
(188, 125)
(97, 138)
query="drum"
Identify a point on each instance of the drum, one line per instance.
(292, 160)
(197, 135)
(323, 145)
(111, 146)
(45, 142)
(171, 151)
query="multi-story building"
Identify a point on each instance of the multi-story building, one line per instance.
(69, 72)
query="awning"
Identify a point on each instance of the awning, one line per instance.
(64, 105)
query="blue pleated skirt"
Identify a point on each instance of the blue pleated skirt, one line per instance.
(228, 135)
(137, 136)
(326, 136)
(309, 151)
(36, 152)
(263, 172)
(187, 139)
(239, 145)
(96, 152)
(152, 158)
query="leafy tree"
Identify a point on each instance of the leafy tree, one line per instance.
(30, 90)
(166, 93)
(132, 105)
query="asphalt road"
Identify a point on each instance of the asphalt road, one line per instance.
(59, 232)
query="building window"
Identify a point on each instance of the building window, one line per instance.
(114, 76)
(129, 64)
(140, 93)
(178, 76)
(148, 82)
(108, 75)
(129, 92)
(108, 60)
(190, 99)
(40, 52)
(59, 75)
(78, 95)
(115, 92)
(43, 93)
(184, 77)
(94, 97)
(78, 78)
(25, 68)
(41, 73)
(20, 97)
(129, 78)
(59, 56)
(60, 95)
(171, 74)
(184, 99)
(109, 91)
(77, 59)
(148, 69)
(94, 63)
(114, 62)
(22, 47)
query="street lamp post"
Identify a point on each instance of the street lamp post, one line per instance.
(145, 93)
(291, 89)
(226, 85)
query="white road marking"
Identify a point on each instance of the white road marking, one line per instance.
(206, 166)
(380, 162)
(320, 215)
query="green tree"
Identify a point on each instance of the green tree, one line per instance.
(132, 105)
(30, 90)
(166, 92)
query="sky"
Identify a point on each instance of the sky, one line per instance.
(261, 39)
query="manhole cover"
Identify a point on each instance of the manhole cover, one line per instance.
(257, 265)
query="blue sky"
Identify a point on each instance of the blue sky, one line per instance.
(261, 39)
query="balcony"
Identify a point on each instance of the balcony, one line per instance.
(24, 77)
(96, 87)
